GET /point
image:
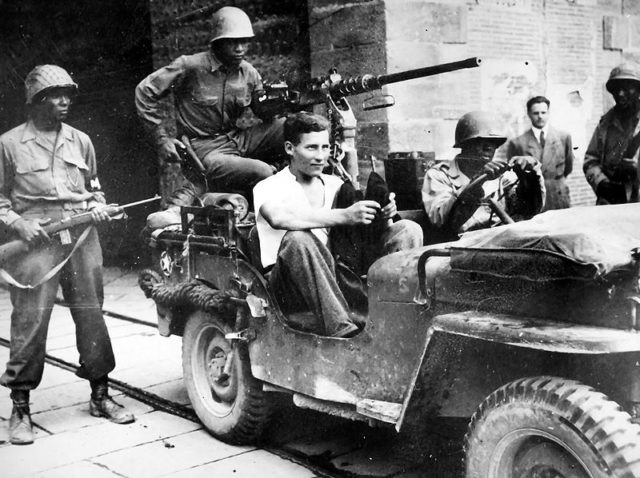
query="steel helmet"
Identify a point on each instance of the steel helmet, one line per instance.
(44, 77)
(231, 22)
(477, 124)
(624, 71)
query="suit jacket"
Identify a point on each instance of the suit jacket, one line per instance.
(556, 161)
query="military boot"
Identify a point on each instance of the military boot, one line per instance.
(102, 405)
(20, 426)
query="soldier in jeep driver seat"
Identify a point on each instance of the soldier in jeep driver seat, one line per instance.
(294, 213)
(454, 207)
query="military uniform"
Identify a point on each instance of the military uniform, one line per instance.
(607, 149)
(444, 182)
(209, 100)
(611, 160)
(40, 179)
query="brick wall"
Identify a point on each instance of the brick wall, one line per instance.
(563, 49)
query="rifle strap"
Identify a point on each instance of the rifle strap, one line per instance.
(47, 277)
(633, 146)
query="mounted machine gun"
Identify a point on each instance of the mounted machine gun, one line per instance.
(332, 90)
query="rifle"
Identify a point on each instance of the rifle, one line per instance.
(332, 90)
(17, 246)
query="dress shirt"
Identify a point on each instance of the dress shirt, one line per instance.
(537, 131)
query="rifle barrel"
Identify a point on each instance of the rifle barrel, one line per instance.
(365, 83)
(472, 62)
(85, 217)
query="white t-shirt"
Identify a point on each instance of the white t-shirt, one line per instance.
(284, 188)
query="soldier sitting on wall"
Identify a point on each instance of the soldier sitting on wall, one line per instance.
(295, 214)
(212, 91)
(452, 205)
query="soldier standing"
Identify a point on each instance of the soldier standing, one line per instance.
(48, 173)
(611, 160)
(212, 90)
(551, 148)
(454, 207)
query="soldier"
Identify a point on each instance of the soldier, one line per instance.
(551, 148)
(611, 160)
(212, 91)
(456, 208)
(48, 172)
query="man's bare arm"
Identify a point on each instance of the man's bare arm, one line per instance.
(293, 217)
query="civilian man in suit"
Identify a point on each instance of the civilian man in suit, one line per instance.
(551, 148)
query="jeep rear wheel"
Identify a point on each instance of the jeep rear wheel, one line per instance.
(232, 406)
(547, 427)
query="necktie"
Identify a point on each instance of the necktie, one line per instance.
(542, 139)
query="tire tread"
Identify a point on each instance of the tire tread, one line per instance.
(598, 418)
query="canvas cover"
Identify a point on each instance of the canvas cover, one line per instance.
(578, 243)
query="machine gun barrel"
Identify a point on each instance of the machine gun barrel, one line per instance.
(365, 83)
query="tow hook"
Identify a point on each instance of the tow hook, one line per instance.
(246, 335)
(634, 302)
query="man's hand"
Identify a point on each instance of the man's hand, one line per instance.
(495, 168)
(30, 229)
(167, 151)
(362, 212)
(612, 192)
(99, 214)
(390, 209)
(522, 164)
(627, 169)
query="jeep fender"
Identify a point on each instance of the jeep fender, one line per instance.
(518, 347)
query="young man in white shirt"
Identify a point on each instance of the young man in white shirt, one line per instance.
(294, 212)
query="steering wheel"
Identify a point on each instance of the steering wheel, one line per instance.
(494, 205)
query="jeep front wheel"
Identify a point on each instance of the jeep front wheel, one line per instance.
(226, 397)
(545, 427)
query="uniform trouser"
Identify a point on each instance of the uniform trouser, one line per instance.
(82, 289)
(235, 162)
(304, 275)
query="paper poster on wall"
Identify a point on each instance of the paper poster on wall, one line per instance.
(506, 85)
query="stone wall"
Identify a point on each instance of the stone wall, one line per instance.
(279, 51)
(106, 47)
(563, 49)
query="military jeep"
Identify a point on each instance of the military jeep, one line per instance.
(530, 329)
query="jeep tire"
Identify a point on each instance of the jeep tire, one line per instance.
(548, 426)
(234, 409)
